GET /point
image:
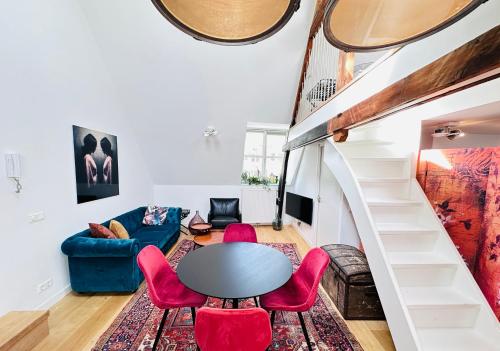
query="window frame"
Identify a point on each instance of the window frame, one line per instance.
(263, 157)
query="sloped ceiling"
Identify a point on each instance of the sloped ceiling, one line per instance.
(173, 86)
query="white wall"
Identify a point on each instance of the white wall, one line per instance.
(53, 77)
(332, 222)
(180, 86)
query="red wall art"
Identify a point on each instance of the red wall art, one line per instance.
(463, 185)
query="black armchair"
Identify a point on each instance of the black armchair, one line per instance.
(224, 212)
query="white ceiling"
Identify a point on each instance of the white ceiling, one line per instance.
(173, 86)
(481, 120)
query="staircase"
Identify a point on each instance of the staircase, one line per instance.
(431, 300)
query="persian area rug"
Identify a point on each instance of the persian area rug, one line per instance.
(136, 325)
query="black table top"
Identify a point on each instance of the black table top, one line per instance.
(234, 270)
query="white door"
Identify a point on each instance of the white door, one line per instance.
(329, 207)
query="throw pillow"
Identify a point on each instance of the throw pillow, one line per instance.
(100, 231)
(118, 229)
(155, 215)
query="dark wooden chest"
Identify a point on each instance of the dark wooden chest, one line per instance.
(349, 283)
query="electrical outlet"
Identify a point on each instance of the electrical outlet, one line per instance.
(44, 285)
(36, 216)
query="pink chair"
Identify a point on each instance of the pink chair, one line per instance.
(164, 287)
(299, 293)
(233, 330)
(240, 232)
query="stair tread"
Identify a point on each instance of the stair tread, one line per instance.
(15, 325)
(418, 258)
(392, 202)
(435, 296)
(395, 228)
(365, 142)
(455, 339)
(383, 180)
(380, 158)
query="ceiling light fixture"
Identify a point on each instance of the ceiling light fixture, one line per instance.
(210, 131)
(449, 131)
(360, 25)
(228, 22)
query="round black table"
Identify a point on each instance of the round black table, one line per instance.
(234, 270)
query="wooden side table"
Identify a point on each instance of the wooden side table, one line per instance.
(209, 239)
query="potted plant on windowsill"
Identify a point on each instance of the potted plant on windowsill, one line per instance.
(257, 181)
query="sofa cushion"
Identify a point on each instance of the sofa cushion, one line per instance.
(100, 231)
(155, 235)
(155, 215)
(118, 229)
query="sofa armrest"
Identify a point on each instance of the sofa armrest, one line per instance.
(84, 246)
(209, 217)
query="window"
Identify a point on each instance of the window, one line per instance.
(263, 156)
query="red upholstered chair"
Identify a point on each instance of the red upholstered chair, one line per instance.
(299, 293)
(240, 232)
(232, 330)
(164, 287)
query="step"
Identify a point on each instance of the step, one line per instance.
(394, 210)
(23, 330)
(455, 339)
(367, 148)
(378, 180)
(380, 166)
(407, 237)
(440, 307)
(385, 187)
(422, 269)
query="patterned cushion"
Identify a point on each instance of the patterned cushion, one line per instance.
(155, 215)
(100, 231)
(118, 229)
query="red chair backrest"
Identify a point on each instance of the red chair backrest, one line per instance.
(155, 267)
(232, 330)
(311, 271)
(240, 232)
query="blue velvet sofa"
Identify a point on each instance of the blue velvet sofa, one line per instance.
(109, 265)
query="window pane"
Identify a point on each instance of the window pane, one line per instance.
(252, 166)
(275, 143)
(254, 143)
(273, 168)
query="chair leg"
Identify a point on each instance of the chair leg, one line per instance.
(256, 302)
(224, 303)
(193, 316)
(301, 318)
(160, 329)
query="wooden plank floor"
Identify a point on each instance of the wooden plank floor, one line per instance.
(77, 321)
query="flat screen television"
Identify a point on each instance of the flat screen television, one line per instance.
(299, 207)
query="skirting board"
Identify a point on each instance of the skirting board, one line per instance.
(51, 301)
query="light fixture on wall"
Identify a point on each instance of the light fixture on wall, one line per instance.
(210, 131)
(360, 25)
(13, 169)
(228, 22)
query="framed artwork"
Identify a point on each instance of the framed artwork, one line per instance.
(466, 198)
(96, 164)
